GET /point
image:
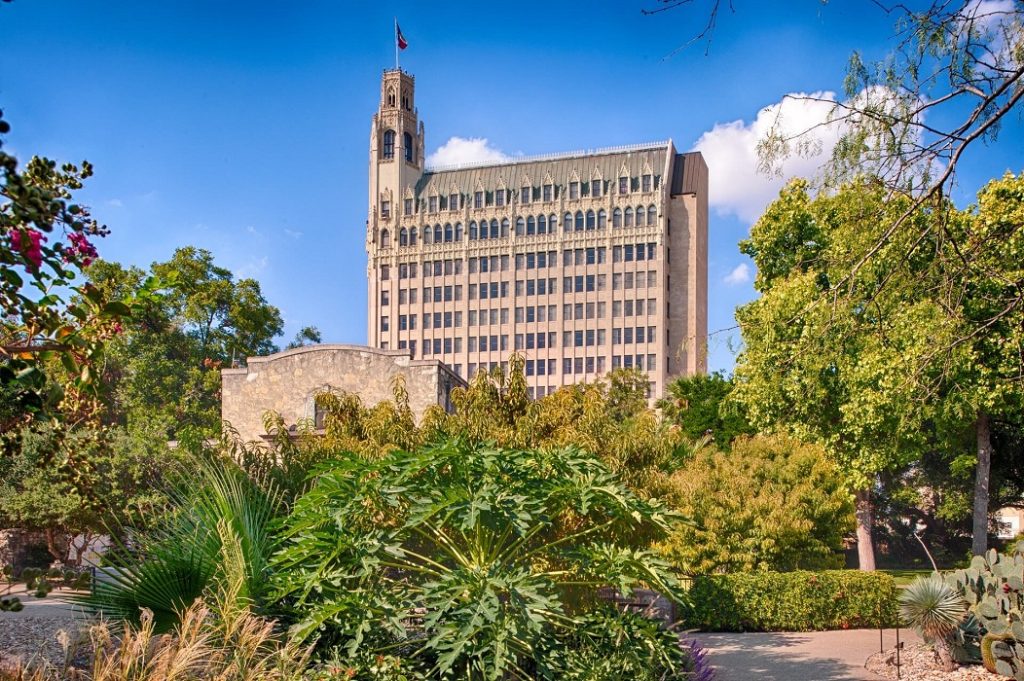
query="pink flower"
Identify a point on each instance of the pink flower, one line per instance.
(81, 247)
(29, 244)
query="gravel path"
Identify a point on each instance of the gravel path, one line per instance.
(37, 630)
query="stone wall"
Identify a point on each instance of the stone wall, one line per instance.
(22, 549)
(286, 382)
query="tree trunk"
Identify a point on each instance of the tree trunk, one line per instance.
(56, 544)
(944, 654)
(865, 543)
(979, 542)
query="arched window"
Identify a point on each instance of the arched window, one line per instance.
(552, 223)
(617, 218)
(412, 236)
(403, 237)
(520, 226)
(602, 219)
(494, 229)
(484, 231)
(639, 216)
(458, 231)
(628, 222)
(426, 234)
(385, 238)
(391, 96)
(472, 231)
(531, 226)
(389, 144)
(567, 222)
(449, 235)
(504, 227)
(410, 153)
(579, 221)
(652, 214)
(590, 220)
(542, 224)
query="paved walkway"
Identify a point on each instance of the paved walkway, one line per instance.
(813, 656)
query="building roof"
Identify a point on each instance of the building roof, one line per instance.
(606, 163)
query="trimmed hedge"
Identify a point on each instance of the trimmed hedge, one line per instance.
(792, 601)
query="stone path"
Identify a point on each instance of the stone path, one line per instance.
(813, 656)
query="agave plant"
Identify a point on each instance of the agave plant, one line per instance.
(469, 557)
(935, 610)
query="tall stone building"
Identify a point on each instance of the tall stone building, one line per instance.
(582, 262)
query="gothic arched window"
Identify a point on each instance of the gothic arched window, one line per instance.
(389, 144)
(590, 220)
(426, 234)
(437, 234)
(520, 226)
(542, 224)
(617, 218)
(567, 222)
(472, 231)
(449, 235)
(628, 222)
(412, 236)
(504, 227)
(458, 231)
(579, 221)
(652, 215)
(385, 238)
(531, 226)
(410, 153)
(602, 219)
(403, 237)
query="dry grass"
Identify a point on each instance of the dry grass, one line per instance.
(204, 645)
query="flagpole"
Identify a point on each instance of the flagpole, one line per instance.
(396, 44)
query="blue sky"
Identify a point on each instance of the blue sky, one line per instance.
(243, 127)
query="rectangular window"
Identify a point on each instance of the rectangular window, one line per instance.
(577, 365)
(453, 202)
(531, 287)
(458, 320)
(408, 207)
(413, 294)
(574, 190)
(566, 258)
(437, 320)
(567, 366)
(645, 183)
(602, 282)
(524, 195)
(448, 345)
(384, 326)
(385, 209)
(590, 283)
(595, 188)
(499, 197)
(548, 196)
(628, 280)
(385, 297)
(472, 315)
(623, 185)
(590, 365)
(650, 334)
(432, 204)
(616, 308)
(478, 200)
(628, 334)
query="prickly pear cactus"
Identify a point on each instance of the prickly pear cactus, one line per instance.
(994, 587)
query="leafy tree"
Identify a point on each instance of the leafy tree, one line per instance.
(903, 368)
(772, 503)
(164, 368)
(49, 345)
(307, 335)
(700, 405)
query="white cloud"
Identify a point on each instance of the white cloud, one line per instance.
(115, 203)
(252, 268)
(730, 149)
(739, 275)
(295, 234)
(459, 150)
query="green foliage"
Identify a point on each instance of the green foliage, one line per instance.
(792, 601)
(469, 555)
(217, 532)
(700, 405)
(772, 503)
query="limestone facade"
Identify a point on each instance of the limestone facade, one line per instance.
(287, 382)
(582, 262)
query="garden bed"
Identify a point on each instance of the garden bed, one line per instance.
(918, 663)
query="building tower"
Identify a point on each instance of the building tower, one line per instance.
(581, 262)
(396, 165)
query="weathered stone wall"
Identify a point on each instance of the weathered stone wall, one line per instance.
(22, 548)
(287, 382)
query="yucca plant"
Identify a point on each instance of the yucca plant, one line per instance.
(935, 610)
(467, 557)
(218, 518)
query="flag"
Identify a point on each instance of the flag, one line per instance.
(399, 38)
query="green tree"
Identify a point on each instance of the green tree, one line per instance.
(700, 405)
(772, 503)
(307, 335)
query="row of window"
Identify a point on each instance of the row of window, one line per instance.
(595, 255)
(527, 194)
(528, 226)
(388, 147)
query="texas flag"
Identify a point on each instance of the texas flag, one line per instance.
(399, 38)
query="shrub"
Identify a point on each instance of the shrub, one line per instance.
(772, 503)
(935, 611)
(792, 601)
(468, 556)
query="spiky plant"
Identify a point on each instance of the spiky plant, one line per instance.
(935, 610)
